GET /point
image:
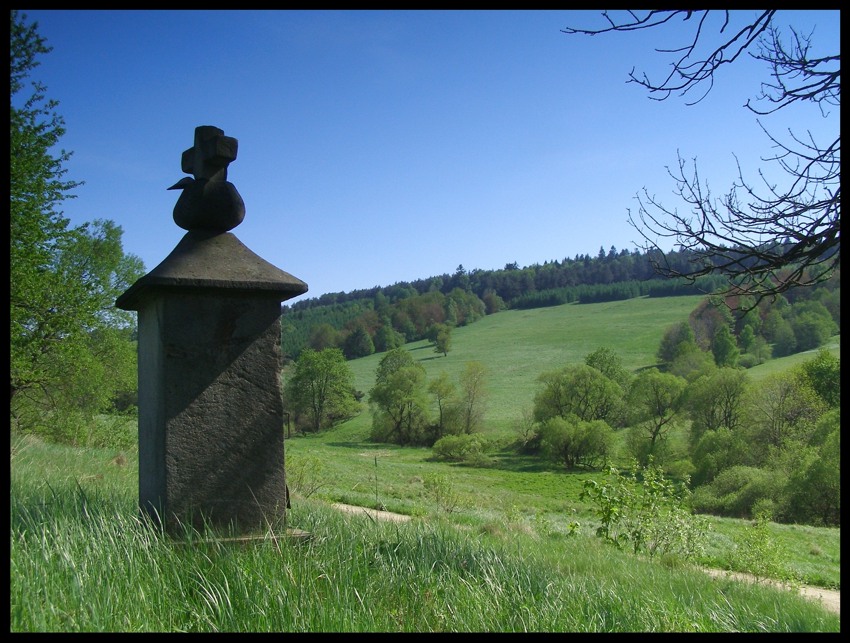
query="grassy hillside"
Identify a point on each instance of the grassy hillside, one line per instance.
(518, 345)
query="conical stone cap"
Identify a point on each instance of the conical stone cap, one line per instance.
(213, 261)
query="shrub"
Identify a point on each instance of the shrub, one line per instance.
(757, 553)
(647, 511)
(468, 448)
(736, 490)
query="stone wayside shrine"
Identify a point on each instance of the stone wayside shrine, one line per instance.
(210, 407)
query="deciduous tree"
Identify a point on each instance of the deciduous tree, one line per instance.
(655, 401)
(63, 280)
(398, 400)
(321, 388)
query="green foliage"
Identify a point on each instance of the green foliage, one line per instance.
(760, 351)
(811, 323)
(439, 488)
(654, 401)
(814, 487)
(71, 354)
(781, 410)
(444, 393)
(717, 450)
(644, 510)
(724, 348)
(691, 361)
(387, 338)
(305, 474)
(469, 449)
(358, 343)
(784, 339)
(323, 336)
(737, 491)
(443, 340)
(578, 389)
(609, 364)
(758, 553)
(823, 375)
(675, 335)
(472, 398)
(574, 442)
(710, 315)
(715, 400)
(399, 402)
(321, 389)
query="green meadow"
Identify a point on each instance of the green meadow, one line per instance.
(505, 547)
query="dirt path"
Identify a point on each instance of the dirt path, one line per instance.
(831, 599)
(374, 513)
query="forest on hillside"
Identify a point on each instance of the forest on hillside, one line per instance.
(381, 318)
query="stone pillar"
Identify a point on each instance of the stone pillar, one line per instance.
(210, 409)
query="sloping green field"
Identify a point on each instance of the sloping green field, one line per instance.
(516, 346)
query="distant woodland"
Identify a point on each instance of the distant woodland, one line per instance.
(378, 319)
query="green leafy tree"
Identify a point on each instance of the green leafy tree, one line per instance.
(646, 511)
(321, 388)
(781, 411)
(784, 339)
(443, 341)
(574, 442)
(578, 389)
(493, 303)
(760, 350)
(675, 335)
(724, 348)
(655, 401)
(387, 338)
(472, 400)
(609, 364)
(358, 343)
(717, 450)
(399, 401)
(691, 362)
(812, 325)
(814, 488)
(63, 280)
(823, 375)
(444, 393)
(323, 336)
(716, 400)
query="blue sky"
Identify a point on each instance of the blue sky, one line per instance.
(385, 146)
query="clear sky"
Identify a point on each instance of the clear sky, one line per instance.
(385, 146)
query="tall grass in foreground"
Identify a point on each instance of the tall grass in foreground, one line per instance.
(82, 561)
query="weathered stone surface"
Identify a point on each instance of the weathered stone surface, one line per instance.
(210, 410)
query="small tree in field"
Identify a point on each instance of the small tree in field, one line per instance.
(472, 399)
(575, 442)
(321, 388)
(399, 401)
(443, 341)
(444, 393)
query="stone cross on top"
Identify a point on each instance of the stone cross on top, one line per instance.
(209, 202)
(209, 157)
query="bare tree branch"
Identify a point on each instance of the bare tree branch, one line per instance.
(765, 239)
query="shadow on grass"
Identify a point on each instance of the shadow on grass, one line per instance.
(507, 461)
